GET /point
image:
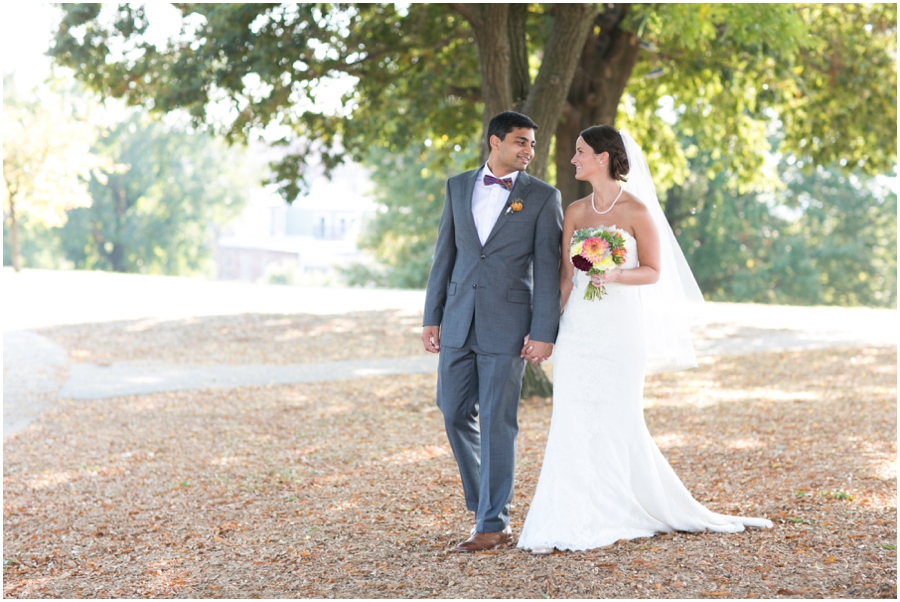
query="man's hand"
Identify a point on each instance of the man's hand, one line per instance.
(431, 338)
(536, 351)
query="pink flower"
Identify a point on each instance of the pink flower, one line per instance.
(594, 249)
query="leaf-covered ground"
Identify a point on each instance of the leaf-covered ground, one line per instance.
(347, 489)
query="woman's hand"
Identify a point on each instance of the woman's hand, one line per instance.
(606, 277)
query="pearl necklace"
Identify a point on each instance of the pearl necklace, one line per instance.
(610, 207)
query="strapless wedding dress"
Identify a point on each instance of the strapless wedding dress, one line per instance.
(603, 478)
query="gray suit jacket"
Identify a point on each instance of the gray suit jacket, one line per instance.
(510, 286)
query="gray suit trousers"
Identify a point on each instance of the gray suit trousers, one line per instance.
(478, 389)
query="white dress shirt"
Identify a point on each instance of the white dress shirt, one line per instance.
(488, 202)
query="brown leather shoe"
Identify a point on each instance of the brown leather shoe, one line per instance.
(479, 542)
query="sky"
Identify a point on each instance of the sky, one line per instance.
(26, 30)
(24, 38)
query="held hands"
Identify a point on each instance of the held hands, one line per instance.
(536, 351)
(431, 338)
(533, 351)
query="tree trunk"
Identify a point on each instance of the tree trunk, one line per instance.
(519, 76)
(571, 123)
(14, 236)
(490, 24)
(675, 208)
(607, 60)
(545, 103)
(117, 257)
(503, 58)
(535, 383)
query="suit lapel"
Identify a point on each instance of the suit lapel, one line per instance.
(520, 190)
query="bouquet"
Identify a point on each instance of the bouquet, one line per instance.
(595, 250)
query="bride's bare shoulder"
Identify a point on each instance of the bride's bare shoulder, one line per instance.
(577, 207)
(632, 204)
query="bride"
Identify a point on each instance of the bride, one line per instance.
(603, 478)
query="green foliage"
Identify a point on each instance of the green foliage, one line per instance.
(47, 162)
(828, 72)
(827, 238)
(39, 246)
(156, 215)
(409, 190)
(415, 70)
(823, 75)
(848, 228)
(839, 495)
(840, 106)
(425, 83)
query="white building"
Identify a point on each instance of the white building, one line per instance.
(301, 242)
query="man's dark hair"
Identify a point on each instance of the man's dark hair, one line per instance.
(503, 123)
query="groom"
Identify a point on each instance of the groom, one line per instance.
(494, 285)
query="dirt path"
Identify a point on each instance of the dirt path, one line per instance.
(155, 333)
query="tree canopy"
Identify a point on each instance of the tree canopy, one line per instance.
(826, 238)
(158, 214)
(112, 189)
(823, 75)
(47, 159)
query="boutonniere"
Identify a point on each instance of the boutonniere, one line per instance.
(514, 206)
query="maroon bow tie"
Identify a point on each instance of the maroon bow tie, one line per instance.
(505, 182)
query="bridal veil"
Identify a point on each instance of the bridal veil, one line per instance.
(669, 304)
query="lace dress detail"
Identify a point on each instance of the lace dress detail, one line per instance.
(603, 477)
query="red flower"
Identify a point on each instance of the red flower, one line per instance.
(581, 263)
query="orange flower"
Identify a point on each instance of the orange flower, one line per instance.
(515, 206)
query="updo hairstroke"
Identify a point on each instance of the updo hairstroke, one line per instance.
(606, 139)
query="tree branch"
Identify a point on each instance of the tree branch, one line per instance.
(547, 97)
(469, 12)
(470, 94)
(490, 23)
(385, 52)
(601, 75)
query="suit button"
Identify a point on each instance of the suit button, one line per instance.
(474, 286)
(484, 257)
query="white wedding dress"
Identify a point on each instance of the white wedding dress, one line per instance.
(603, 478)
